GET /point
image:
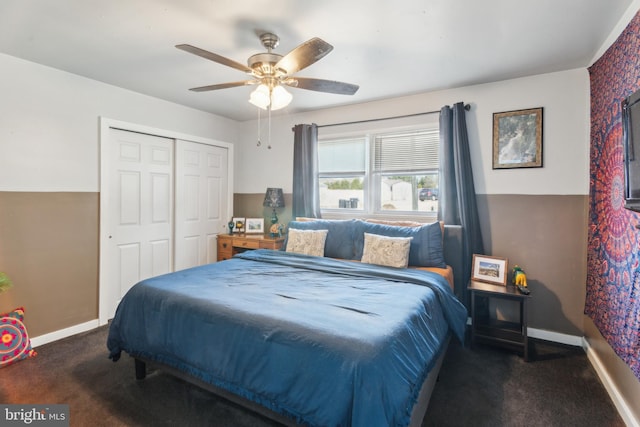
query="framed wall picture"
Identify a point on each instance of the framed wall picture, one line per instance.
(239, 224)
(517, 139)
(255, 225)
(489, 269)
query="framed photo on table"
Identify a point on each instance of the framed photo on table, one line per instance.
(517, 139)
(255, 225)
(489, 269)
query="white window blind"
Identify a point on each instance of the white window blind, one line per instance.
(346, 155)
(408, 151)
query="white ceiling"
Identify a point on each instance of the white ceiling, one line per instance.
(389, 48)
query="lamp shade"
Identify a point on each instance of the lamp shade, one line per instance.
(270, 97)
(280, 98)
(261, 97)
(273, 198)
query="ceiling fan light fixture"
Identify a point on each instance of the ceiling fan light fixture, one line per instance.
(280, 98)
(276, 98)
(271, 71)
(261, 97)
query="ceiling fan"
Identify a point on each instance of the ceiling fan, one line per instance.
(271, 71)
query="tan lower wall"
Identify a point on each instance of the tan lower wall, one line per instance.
(49, 249)
(619, 373)
(547, 236)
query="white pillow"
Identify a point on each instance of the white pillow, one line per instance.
(387, 251)
(307, 242)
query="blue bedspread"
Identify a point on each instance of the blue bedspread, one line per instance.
(327, 342)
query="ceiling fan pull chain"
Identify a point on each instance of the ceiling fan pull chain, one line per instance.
(259, 143)
(269, 146)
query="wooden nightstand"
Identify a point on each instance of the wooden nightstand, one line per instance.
(507, 334)
(231, 244)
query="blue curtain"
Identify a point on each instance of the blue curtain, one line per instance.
(457, 204)
(306, 196)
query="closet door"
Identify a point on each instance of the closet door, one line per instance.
(140, 235)
(201, 202)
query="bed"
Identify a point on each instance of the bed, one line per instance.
(304, 339)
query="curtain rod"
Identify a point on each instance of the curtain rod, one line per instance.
(467, 107)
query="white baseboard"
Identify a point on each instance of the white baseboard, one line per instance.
(617, 398)
(549, 336)
(543, 334)
(64, 333)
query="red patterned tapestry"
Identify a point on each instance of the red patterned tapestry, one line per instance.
(613, 257)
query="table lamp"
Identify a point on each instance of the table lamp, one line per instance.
(273, 198)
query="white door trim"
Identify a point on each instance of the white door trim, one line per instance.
(105, 125)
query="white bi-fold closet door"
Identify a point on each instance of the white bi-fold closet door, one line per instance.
(200, 207)
(167, 200)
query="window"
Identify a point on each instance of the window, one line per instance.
(394, 172)
(343, 170)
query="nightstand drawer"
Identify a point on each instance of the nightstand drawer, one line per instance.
(247, 244)
(271, 244)
(224, 254)
(225, 248)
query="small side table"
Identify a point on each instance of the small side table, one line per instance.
(507, 334)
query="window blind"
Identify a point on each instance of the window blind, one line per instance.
(346, 155)
(408, 152)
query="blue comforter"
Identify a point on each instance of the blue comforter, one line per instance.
(327, 342)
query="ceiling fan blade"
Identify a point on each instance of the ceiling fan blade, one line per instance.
(320, 85)
(214, 57)
(222, 86)
(304, 55)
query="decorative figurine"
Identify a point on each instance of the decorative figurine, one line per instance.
(230, 224)
(276, 230)
(520, 280)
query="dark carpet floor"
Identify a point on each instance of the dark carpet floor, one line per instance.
(479, 387)
(493, 387)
